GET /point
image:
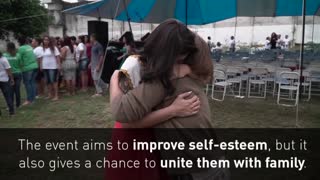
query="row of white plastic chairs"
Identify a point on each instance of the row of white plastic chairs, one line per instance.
(260, 76)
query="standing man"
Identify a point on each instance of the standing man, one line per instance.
(97, 60)
(232, 44)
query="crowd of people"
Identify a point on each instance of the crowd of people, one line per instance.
(272, 42)
(44, 64)
(276, 42)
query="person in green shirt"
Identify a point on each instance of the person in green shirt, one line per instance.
(29, 66)
(13, 58)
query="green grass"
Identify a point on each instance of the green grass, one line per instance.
(82, 111)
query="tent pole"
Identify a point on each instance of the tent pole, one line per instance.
(112, 23)
(187, 13)
(313, 33)
(252, 36)
(235, 28)
(302, 44)
(128, 18)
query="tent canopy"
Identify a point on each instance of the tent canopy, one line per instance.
(195, 12)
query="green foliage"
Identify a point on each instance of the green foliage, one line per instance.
(32, 26)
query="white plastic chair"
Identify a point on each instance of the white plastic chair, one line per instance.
(315, 79)
(270, 78)
(257, 80)
(277, 78)
(234, 77)
(220, 67)
(306, 84)
(219, 80)
(289, 81)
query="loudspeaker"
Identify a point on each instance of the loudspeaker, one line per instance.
(100, 29)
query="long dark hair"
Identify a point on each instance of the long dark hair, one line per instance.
(67, 42)
(11, 48)
(81, 38)
(170, 40)
(128, 36)
(50, 45)
(22, 40)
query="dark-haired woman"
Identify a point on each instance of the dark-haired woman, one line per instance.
(273, 41)
(29, 69)
(38, 51)
(13, 58)
(129, 47)
(168, 46)
(69, 65)
(50, 65)
(82, 59)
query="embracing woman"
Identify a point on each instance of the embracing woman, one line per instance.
(168, 47)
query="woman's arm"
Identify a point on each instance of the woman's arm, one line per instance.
(10, 76)
(58, 62)
(181, 107)
(137, 103)
(63, 54)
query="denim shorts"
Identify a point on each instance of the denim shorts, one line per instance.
(51, 75)
(83, 64)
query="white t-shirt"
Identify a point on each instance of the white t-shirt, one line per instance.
(286, 43)
(4, 65)
(49, 60)
(267, 44)
(38, 51)
(132, 66)
(81, 47)
(232, 43)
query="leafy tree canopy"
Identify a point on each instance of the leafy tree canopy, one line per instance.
(22, 17)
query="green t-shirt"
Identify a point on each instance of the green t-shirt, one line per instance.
(14, 62)
(27, 58)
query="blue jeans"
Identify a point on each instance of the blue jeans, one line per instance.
(29, 80)
(7, 93)
(16, 88)
(51, 75)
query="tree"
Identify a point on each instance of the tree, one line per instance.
(23, 17)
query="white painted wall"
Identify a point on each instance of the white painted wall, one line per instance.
(248, 30)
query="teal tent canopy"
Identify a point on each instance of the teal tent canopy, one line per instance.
(194, 12)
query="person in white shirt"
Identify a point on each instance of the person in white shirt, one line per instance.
(83, 61)
(232, 44)
(279, 42)
(267, 44)
(69, 65)
(286, 42)
(209, 42)
(6, 82)
(217, 52)
(38, 51)
(51, 65)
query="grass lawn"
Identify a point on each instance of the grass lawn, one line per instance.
(82, 111)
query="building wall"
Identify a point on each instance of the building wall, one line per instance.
(248, 30)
